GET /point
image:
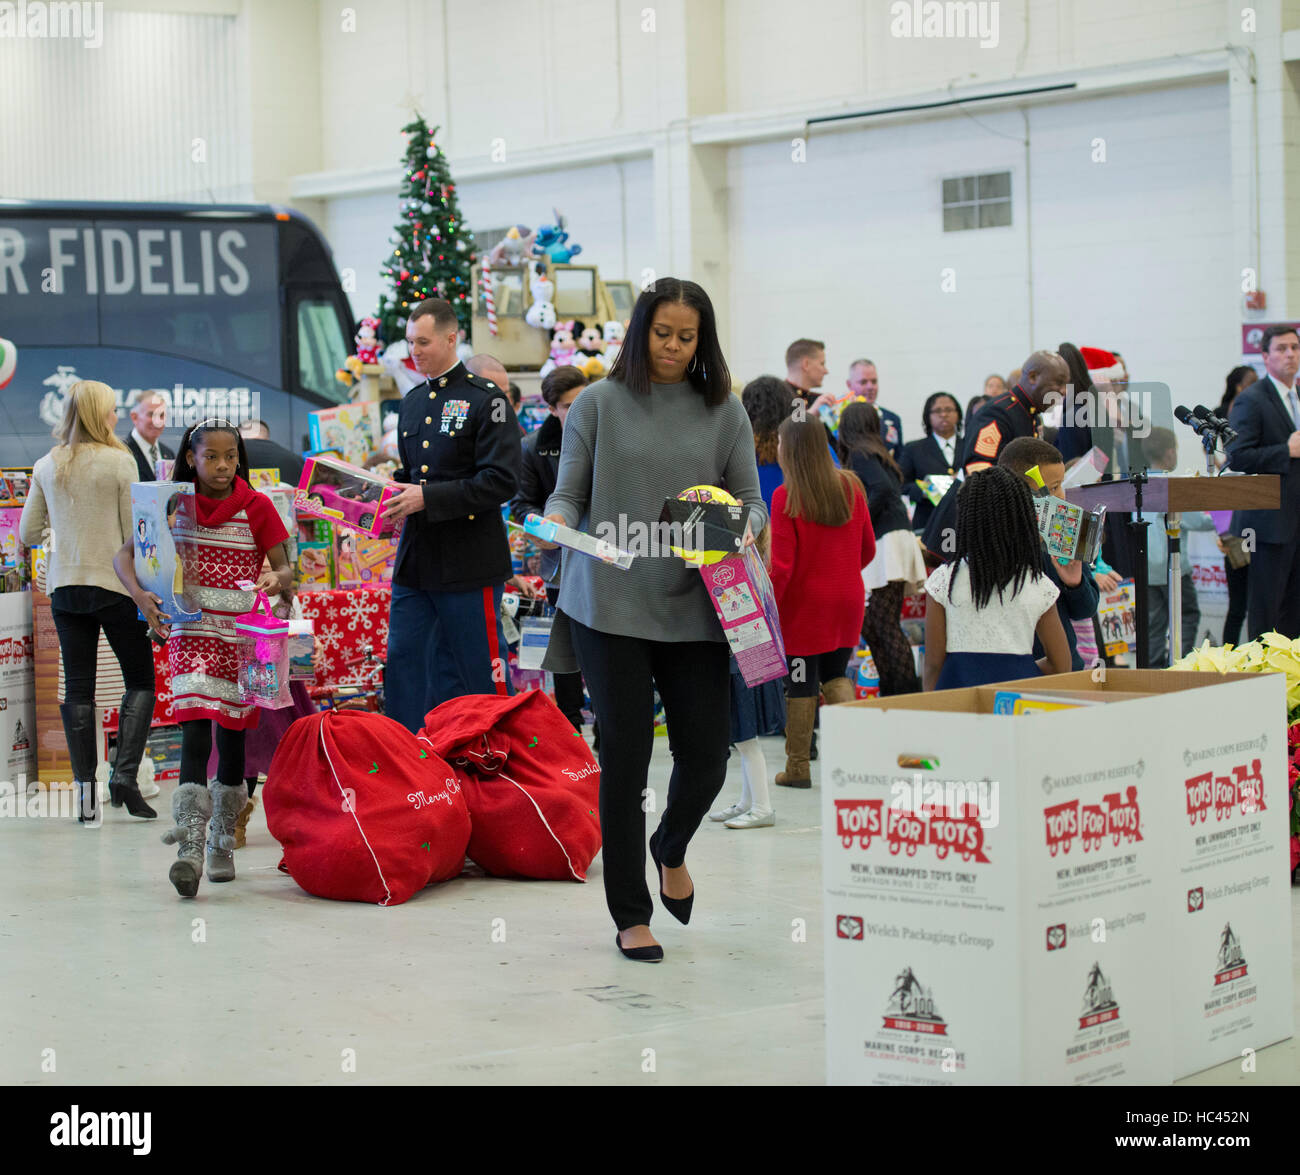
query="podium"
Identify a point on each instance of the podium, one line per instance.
(1173, 496)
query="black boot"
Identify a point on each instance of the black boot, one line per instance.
(79, 730)
(133, 718)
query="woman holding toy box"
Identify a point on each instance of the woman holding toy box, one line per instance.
(81, 493)
(235, 528)
(664, 420)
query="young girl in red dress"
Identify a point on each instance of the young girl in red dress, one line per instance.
(234, 529)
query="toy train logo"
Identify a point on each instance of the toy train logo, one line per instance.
(1232, 962)
(946, 831)
(911, 1007)
(1099, 1004)
(1092, 823)
(1243, 789)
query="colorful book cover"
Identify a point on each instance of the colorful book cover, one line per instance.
(352, 430)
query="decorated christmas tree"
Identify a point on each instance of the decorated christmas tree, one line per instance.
(432, 247)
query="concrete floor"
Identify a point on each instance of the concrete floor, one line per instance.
(102, 963)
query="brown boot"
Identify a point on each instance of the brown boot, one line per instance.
(241, 822)
(800, 713)
(838, 689)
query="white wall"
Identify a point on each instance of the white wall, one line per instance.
(119, 122)
(1133, 254)
(609, 209)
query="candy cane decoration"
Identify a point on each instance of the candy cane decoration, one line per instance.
(485, 280)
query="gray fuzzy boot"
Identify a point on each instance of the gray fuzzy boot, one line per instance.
(191, 810)
(227, 803)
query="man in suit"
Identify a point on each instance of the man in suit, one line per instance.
(458, 441)
(264, 453)
(148, 419)
(864, 381)
(1267, 419)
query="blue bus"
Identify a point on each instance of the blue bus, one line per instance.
(232, 310)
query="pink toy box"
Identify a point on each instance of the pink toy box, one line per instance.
(743, 598)
(346, 495)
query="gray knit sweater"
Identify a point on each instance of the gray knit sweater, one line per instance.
(622, 455)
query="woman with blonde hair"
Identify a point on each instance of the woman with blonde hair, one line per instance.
(81, 493)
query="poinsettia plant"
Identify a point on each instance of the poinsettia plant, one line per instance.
(1270, 653)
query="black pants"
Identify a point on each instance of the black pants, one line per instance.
(79, 613)
(196, 749)
(568, 686)
(882, 629)
(807, 673)
(1273, 590)
(1238, 581)
(693, 679)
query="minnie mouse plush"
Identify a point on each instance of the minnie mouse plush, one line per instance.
(564, 348)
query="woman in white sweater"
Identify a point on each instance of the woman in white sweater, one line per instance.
(81, 492)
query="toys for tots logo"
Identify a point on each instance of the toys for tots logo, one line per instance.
(1241, 790)
(1116, 817)
(958, 830)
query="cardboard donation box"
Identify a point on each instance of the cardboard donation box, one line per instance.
(1094, 889)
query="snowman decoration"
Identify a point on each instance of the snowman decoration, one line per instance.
(541, 314)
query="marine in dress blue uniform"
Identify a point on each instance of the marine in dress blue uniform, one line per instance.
(458, 439)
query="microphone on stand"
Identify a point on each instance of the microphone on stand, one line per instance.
(1220, 426)
(1184, 416)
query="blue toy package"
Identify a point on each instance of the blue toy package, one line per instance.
(163, 565)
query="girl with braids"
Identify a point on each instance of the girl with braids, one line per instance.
(234, 529)
(898, 567)
(987, 605)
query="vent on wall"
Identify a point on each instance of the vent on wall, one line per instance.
(977, 201)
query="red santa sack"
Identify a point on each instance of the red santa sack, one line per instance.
(529, 779)
(364, 810)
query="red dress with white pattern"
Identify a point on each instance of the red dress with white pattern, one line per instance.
(230, 537)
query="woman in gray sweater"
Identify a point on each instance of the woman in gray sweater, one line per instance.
(81, 491)
(664, 420)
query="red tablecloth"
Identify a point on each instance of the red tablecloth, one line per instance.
(347, 619)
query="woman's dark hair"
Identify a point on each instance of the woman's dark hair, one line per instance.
(929, 404)
(1078, 367)
(707, 371)
(560, 381)
(184, 471)
(767, 403)
(1232, 386)
(859, 432)
(975, 403)
(997, 534)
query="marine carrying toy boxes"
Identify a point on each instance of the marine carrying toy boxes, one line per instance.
(165, 565)
(1075, 896)
(346, 495)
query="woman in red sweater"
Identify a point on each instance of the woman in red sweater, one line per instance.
(821, 541)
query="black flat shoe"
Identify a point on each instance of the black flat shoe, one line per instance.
(654, 954)
(679, 908)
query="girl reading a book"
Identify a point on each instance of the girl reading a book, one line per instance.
(986, 606)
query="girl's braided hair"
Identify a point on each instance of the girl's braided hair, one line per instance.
(997, 534)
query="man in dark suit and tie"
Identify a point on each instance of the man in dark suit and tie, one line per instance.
(148, 419)
(1267, 419)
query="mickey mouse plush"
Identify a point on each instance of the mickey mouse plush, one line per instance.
(590, 341)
